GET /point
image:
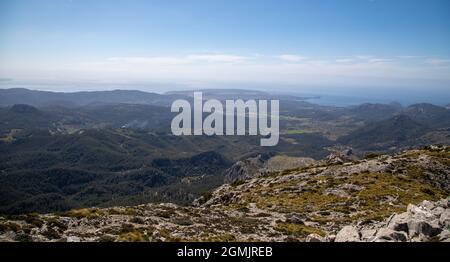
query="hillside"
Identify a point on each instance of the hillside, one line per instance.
(9, 97)
(396, 131)
(110, 148)
(324, 201)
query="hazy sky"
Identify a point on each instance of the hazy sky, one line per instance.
(357, 43)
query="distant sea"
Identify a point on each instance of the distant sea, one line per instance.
(405, 98)
(343, 101)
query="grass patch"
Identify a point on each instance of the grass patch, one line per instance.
(298, 230)
(134, 236)
(89, 213)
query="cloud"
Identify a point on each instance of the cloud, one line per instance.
(206, 69)
(408, 56)
(148, 60)
(438, 62)
(219, 58)
(379, 60)
(345, 60)
(172, 60)
(364, 57)
(291, 58)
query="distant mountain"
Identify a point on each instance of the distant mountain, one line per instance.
(393, 132)
(428, 114)
(9, 97)
(61, 119)
(402, 128)
(374, 112)
(63, 187)
(65, 150)
(25, 116)
(245, 94)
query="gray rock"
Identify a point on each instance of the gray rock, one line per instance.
(437, 211)
(336, 192)
(427, 205)
(444, 235)
(423, 228)
(368, 234)
(293, 218)
(389, 235)
(331, 238)
(348, 234)
(444, 219)
(73, 239)
(352, 187)
(399, 222)
(419, 212)
(445, 203)
(315, 238)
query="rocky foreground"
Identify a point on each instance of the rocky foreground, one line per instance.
(404, 197)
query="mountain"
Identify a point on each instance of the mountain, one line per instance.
(402, 197)
(428, 114)
(374, 112)
(58, 188)
(9, 97)
(116, 148)
(396, 131)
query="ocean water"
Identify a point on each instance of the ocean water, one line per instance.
(344, 101)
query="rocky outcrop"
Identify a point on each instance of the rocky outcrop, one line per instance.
(384, 198)
(246, 169)
(428, 221)
(263, 164)
(348, 234)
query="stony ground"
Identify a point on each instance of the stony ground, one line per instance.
(383, 198)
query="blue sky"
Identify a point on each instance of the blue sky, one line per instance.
(326, 43)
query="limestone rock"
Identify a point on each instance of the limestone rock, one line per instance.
(389, 235)
(348, 234)
(315, 238)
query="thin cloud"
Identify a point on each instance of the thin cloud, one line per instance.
(437, 62)
(345, 60)
(148, 60)
(171, 60)
(217, 58)
(210, 68)
(379, 60)
(291, 58)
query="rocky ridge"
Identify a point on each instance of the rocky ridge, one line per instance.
(404, 197)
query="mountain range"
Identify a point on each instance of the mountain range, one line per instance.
(61, 151)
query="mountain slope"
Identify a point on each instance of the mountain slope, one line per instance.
(9, 97)
(429, 115)
(397, 131)
(312, 203)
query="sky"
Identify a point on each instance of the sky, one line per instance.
(298, 45)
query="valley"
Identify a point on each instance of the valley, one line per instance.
(105, 149)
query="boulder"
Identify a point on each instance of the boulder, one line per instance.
(445, 203)
(399, 222)
(428, 205)
(419, 212)
(294, 218)
(417, 228)
(73, 239)
(444, 235)
(389, 235)
(315, 238)
(444, 219)
(368, 234)
(348, 234)
(437, 211)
